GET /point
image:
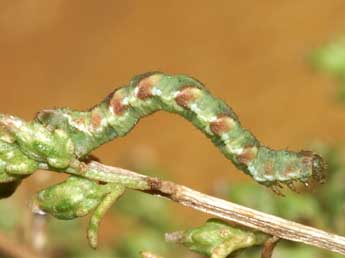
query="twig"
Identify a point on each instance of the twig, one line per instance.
(250, 218)
(269, 246)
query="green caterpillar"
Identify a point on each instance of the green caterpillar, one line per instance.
(61, 139)
(183, 95)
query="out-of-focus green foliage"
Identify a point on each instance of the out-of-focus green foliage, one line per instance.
(144, 239)
(60, 235)
(147, 209)
(11, 211)
(150, 218)
(332, 195)
(294, 206)
(303, 208)
(286, 250)
(330, 58)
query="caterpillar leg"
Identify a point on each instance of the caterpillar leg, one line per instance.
(100, 211)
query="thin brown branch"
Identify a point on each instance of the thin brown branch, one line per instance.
(250, 218)
(269, 245)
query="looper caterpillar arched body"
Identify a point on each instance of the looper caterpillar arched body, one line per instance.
(183, 95)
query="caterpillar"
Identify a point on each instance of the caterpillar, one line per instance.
(118, 113)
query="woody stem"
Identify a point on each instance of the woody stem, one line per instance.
(244, 216)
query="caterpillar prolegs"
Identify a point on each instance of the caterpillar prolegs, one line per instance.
(183, 95)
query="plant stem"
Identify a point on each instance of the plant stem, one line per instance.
(244, 216)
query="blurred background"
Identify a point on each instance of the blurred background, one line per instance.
(253, 55)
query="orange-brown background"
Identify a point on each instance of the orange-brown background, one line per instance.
(251, 53)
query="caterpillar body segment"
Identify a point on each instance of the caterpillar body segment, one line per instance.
(183, 95)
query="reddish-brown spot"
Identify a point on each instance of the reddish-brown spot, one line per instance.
(144, 88)
(248, 154)
(306, 153)
(96, 119)
(186, 95)
(80, 120)
(221, 125)
(307, 161)
(289, 170)
(116, 104)
(307, 158)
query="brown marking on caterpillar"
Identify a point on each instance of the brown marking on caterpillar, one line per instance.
(248, 154)
(307, 158)
(289, 170)
(96, 119)
(317, 164)
(80, 120)
(186, 95)
(8, 123)
(5, 135)
(223, 124)
(145, 86)
(268, 168)
(116, 104)
(144, 89)
(306, 153)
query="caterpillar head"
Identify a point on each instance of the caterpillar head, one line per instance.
(315, 171)
(318, 166)
(306, 167)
